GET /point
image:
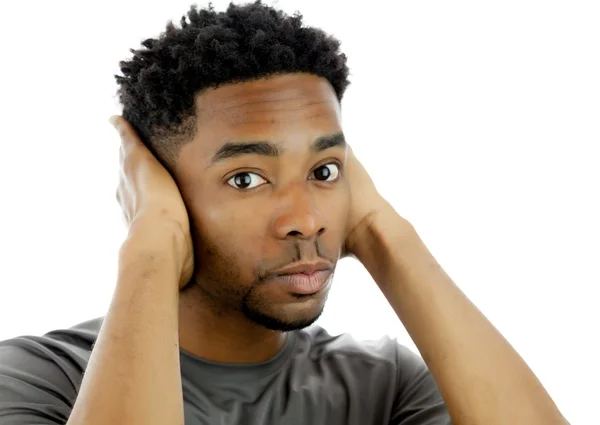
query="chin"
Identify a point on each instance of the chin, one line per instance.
(283, 321)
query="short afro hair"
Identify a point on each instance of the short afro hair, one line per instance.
(209, 49)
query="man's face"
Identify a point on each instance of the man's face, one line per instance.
(264, 185)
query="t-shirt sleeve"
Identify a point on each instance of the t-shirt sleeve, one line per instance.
(418, 399)
(37, 383)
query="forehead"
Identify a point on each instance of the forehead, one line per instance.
(290, 109)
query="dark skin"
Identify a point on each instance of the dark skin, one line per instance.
(240, 237)
(255, 208)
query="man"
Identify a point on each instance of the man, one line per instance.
(241, 195)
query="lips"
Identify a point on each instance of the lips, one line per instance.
(305, 278)
(305, 268)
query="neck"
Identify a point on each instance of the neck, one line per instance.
(223, 337)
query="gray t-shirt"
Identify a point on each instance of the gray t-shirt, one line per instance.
(316, 379)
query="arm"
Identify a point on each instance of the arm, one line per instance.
(133, 376)
(480, 376)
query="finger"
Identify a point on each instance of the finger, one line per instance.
(128, 135)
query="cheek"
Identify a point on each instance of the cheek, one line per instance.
(234, 230)
(337, 209)
(217, 219)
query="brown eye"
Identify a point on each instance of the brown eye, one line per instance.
(246, 180)
(327, 172)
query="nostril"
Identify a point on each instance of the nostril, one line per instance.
(294, 233)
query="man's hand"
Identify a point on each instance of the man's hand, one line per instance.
(151, 201)
(481, 377)
(365, 203)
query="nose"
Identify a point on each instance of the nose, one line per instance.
(298, 217)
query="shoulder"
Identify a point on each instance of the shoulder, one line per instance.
(67, 348)
(380, 362)
(381, 372)
(385, 349)
(45, 370)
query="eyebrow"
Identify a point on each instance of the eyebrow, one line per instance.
(265, 148)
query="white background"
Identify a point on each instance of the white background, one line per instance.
(479, 121)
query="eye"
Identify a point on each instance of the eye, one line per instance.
(246, 180)
(327, 172)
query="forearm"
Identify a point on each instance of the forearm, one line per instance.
(481, 377)
(133, 376)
